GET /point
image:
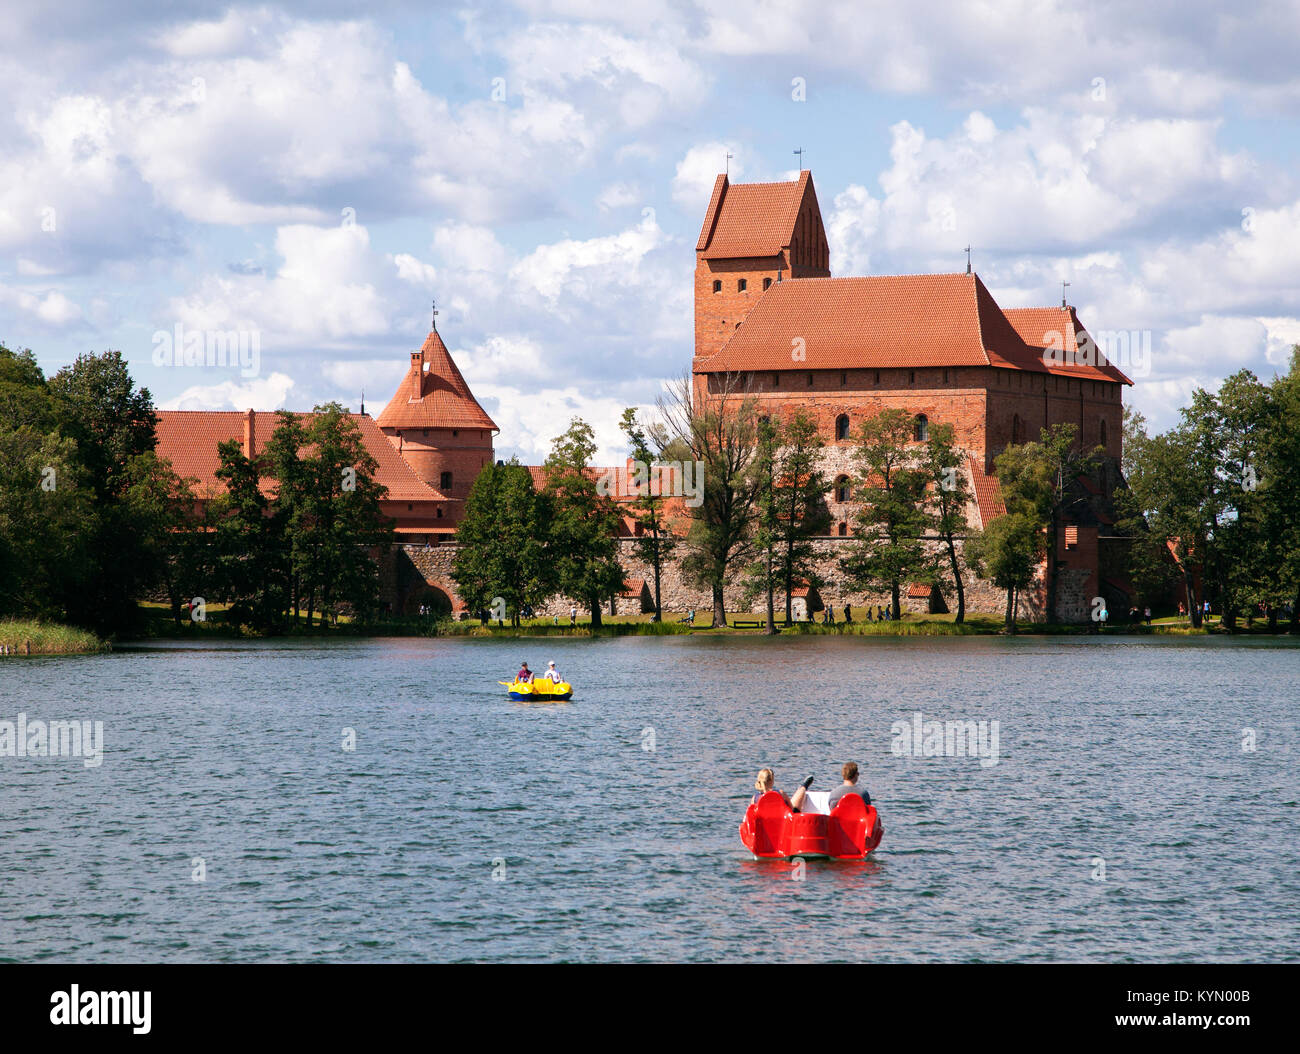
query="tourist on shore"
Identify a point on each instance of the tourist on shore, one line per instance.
(848, 613)
(525, 675)
(552, 674)
(766, 781)
(1146, 613)
(849, 773)
(573, 615)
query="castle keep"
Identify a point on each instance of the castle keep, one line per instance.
(770, 317)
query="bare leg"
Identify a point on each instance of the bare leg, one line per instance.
(796, 802)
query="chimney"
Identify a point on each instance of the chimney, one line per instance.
(416, 392)
(250, 433)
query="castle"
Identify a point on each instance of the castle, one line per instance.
(769, 314)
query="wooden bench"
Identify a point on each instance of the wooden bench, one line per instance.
(737, 624)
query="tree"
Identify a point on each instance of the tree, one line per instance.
(763, 571)
(719, 431)
(657, 542)
(949, 496)
(1007, 553)
(889, 548)
(502, 542)
(582, 543)
(800, 500)
(251, 558)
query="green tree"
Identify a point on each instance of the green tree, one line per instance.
(949, 495)
(799, 497)
(1008, 553)
(501, 542)
(762, 573)
(251, 556)
(657, 542)
(719, 431)
(582, 544)
(889, 547)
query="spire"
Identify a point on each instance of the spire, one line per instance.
(433, 394)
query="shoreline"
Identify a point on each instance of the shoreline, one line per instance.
(31, 637)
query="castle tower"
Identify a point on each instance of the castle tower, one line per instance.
(436, 424)
(754, 235)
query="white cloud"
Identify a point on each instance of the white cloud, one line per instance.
(259, 393)
(698, 171)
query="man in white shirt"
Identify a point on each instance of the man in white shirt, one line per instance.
(552, 674)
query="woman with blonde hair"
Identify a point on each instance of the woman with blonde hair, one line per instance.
(766, 781)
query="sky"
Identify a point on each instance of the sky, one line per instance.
(312, 176)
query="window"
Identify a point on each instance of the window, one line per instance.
(844, 379)
(842, 491)
(1016, 430)
(440, 514)
(717, 285)
(911, 376)
(742, 285)
(842, 426)
(776, 380)
(426, 431)
(1103, 431)
(444, 482)
(810, 383)
(921, 429)
(877, 376)
(844, 529)
(767, 282)
(945, 376)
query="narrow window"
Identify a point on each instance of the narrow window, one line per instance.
(1015, 430)
(440, 514)
(742, 285)
(444, 482)
(842, 491)
(911, 376)
(810, 383)
(776, 380)
(844, 529)
(844, 379)
(717, 285)
(921, 430)
(842, 426)
(1103, 431)
(767, 282)
(877, 377)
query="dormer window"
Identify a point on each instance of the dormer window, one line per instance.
(742, 285)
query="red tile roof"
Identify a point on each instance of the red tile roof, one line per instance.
(1059, 328)
(189, 438)
(987, 498)
(878, 321)
(751, 219)
(918, 591)
(433, 394)
(633, 587)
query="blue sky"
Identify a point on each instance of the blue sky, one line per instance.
(316, 177)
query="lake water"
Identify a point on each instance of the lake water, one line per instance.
(1122, 820)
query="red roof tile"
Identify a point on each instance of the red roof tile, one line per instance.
(433, 394)
(918, 591)
(987, 498)
(878, 321)
(1059, 329)
(751, 219)
(189, 438)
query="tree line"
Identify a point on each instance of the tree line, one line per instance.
(93, 520)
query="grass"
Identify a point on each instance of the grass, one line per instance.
(23, 637)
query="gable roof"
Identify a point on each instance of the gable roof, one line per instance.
(877, 321)
(1059, 328)
(189, 439)
(751, 219)
(988, 497)
(433, 394)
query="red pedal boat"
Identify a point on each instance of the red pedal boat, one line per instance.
(848, 832)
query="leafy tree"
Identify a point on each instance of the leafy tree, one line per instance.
(582, 543)
(888, 549)
(949, 495)
(1007, 553)
(763, 571)
(719, 430)
(799, 498)
(502, 542)
(657, 541)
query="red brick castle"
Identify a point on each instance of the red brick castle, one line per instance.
(768, 313)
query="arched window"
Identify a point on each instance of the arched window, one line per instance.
(1103, 431)
(842, 426)
(717, 285)
(842, 491)
(767, 282)
(844, 529)
(1016, 430)
(921, 429)
(742, 285)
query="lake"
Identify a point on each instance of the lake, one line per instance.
(1124, 818)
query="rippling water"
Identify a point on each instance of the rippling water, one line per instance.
(467, 827)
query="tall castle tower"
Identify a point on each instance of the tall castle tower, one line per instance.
(754, 235)
(437, 425)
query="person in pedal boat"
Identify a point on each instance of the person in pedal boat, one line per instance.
(849, 772)
(552, 674)
(766, 781)
(525, 675)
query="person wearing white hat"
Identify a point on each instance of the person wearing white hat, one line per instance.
(552, 673)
